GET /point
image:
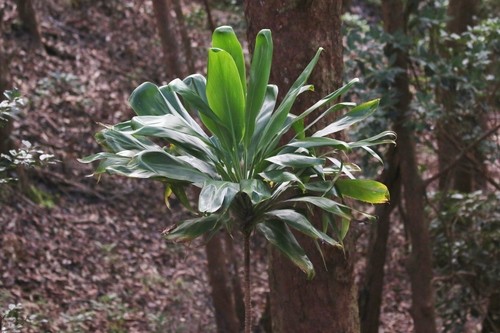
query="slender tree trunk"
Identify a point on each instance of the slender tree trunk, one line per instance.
(248, 299)
(419, 264)
(210, 21)
(225, 313)
(468, 175)
(328, 303)
(5, 127)
(491, 323)
(371, 293)
(167, 37)
(186, 41)
(238, 294)
(29, 21)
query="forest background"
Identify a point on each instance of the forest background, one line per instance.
(84, 256)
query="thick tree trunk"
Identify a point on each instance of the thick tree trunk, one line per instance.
(328, 303)
(371, 294)
(222, 297)
(468, 174)
(419, 264)
(29, 21)
(167, 37)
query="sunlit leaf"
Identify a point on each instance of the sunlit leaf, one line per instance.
(363, 189)
(225, 93)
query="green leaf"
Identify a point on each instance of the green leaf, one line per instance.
(146, 100)
(325, 204)
(162, 164)
(259, 78)
(324, 187)
(357, 114)
(116, 140)
(216, 194)
(365, 190)
(193, 228)
(301, 223)
(179, 191)
(175, 131)
(295, 160)
(225, 94)
(344, 228)
(256, 190)
(278, 234)
(277, 121)
(314, 142)
(224, 38)
(280, 176)
(193, 92)
(381, 138)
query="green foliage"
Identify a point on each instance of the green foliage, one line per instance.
(465, 229)
(462, 64)
(249, 179)
(11, 105)
(466, 232)
(15, 320)
(27, 155)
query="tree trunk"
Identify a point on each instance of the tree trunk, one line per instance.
(210, 21)
(5, 127)
(186, 41)
(328, 303)
(222, 297)
(238, 295)
(370, 299)
(164, 24)
(468, 174)
(491, 323)
(419, 264)
(29, 21)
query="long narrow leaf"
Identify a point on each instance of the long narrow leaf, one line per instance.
(277, 121)
(357, 114)
(300, 223)
(295, 160)
(325, 204)
(365, 190)
(259, 78)
(278, 234)
(225, 93)
(193, 228)
(165, 165)
(224, 38)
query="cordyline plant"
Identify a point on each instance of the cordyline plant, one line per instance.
(249, 179)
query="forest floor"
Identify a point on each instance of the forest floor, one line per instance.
(86, 256)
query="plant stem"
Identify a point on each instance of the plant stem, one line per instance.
(248, 304)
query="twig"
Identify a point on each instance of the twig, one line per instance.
(460, 156)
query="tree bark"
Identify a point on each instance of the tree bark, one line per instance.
(370, 300)
(5, 127)
(468, 175)
(222, 297)
(186, 41)
(169, 44)
(29, 21)
(419, 265)
(328, 303)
